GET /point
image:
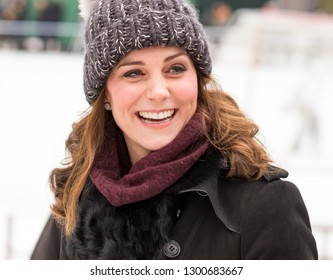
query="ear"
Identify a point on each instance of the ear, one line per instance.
(107, 96)
(86, 6)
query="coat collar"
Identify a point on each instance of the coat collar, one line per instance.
(217, 186)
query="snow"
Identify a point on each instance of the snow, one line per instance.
(279, 67)
(287, 91)
(40, 97)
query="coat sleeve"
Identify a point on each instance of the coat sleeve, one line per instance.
(276, 225)
(48, 244)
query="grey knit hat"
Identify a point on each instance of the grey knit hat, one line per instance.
(113, 28)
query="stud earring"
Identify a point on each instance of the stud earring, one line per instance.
(107, 106)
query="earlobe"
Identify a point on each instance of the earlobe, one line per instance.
(107, 105)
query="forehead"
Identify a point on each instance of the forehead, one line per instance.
(156, 52)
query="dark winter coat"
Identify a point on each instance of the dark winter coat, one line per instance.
(203, 216)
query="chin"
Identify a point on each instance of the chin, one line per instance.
(159, 144)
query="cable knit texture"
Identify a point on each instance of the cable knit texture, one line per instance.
(122, 183)
(113, 28)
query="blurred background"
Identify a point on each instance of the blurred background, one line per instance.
(275, 57)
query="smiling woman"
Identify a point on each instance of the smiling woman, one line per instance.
(153, 94)
(165, 165)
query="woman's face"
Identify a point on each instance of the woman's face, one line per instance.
(153, 94)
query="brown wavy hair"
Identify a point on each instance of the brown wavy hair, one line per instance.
(230, 132)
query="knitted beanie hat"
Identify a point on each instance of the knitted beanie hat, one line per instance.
(113, 28)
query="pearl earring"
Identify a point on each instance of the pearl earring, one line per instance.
(107, 106)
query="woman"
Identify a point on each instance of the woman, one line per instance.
(165, 165)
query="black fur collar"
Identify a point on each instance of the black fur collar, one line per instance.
(133, 231)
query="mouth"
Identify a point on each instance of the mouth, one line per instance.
(156, 117)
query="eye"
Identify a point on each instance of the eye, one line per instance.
(177, 69)
(133, 74)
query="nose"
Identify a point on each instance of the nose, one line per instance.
(157, 88)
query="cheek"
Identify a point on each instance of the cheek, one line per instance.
(119, 109)
(188, 91)
(118, 102)
(119, 96)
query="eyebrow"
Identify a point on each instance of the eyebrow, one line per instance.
(169, 58)
(174, 56)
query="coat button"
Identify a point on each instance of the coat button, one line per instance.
(171, 249)
(178, 213)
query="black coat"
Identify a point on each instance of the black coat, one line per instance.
(203, 216)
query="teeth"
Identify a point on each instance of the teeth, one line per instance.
(156, 116)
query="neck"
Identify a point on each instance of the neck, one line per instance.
(136, 155)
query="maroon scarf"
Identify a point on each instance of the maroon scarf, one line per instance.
(122, 183)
